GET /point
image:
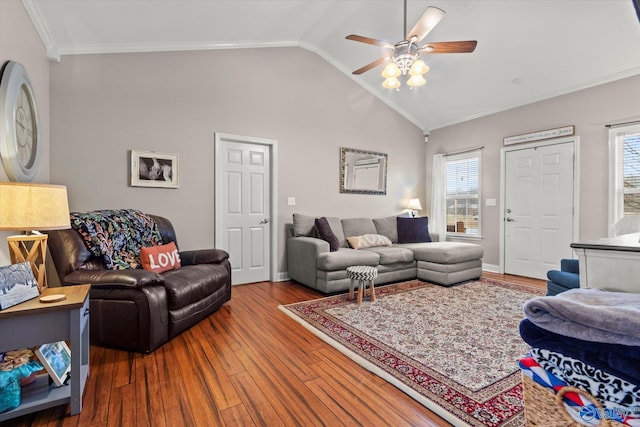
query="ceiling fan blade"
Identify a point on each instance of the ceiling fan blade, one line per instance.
(449, 47)
(426, 23)
(369, 40)
(371, 65)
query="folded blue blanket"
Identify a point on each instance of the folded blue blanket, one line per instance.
(590, 315)
(620, 360)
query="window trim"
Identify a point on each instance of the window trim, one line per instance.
(616, 179)
(473, 153)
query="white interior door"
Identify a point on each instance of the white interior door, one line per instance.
(243, 206)
(538, 208)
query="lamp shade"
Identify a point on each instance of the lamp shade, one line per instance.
(390, 71)
(391, 83)
(39, 207)
(414, 204)
(418, 67)
(416, 80)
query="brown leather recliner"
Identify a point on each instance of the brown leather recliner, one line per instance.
(136, 309)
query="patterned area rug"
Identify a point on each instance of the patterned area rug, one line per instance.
(455, 350)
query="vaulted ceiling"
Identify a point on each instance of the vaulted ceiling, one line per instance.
(528, 50)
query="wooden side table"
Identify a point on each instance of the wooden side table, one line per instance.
(33, 323)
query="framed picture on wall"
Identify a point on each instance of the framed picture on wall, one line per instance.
(154, 169)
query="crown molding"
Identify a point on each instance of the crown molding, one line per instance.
(631, 72)
(53, 54)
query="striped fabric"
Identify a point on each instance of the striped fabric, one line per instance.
(362, 272)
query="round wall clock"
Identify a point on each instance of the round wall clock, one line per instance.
(19, 126)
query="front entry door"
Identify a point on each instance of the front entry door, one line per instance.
(538, 216)
(243, 211)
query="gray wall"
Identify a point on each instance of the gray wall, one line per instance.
(589, 110)
(19, 41)
(102, 106)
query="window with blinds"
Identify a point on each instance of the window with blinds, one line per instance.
(624, 184)
(631, 174)
(463, 194)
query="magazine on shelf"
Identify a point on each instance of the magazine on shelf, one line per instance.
(56, 358)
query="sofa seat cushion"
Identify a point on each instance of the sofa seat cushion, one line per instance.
(392, 254)
(449, 268)
(193, 283)
(448, 252)
(346, 257)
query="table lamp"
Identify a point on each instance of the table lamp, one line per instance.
(415, 206)
(28, 207)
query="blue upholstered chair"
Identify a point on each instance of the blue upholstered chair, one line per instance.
(568, 277)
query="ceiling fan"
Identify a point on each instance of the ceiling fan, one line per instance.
(404, 56)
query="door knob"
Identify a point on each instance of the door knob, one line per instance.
(510, 219)
(264, 221)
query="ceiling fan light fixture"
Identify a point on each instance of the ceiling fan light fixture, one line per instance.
(416, 80)
(391, 71)
(418, 67)
(391, 83)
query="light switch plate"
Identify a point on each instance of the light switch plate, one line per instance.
(490, 202)
(291, 201)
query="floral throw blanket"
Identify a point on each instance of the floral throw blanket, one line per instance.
(117, 235)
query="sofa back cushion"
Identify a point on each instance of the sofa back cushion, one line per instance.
(167, 232)
(358, 226)
(303, 225)
(336, 227)
(387, 227)
(69, 252)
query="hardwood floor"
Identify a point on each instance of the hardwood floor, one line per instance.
(248, 364)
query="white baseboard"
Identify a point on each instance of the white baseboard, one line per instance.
(282, 276)
(492, 268)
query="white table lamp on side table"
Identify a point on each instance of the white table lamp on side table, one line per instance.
(27, 207)
(415, 206)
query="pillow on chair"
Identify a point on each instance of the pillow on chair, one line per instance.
(160, 258)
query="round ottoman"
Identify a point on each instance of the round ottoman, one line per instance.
(365, 275)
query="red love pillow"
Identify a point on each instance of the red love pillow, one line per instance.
(160, 258)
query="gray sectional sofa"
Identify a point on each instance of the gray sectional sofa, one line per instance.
(311, 262)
